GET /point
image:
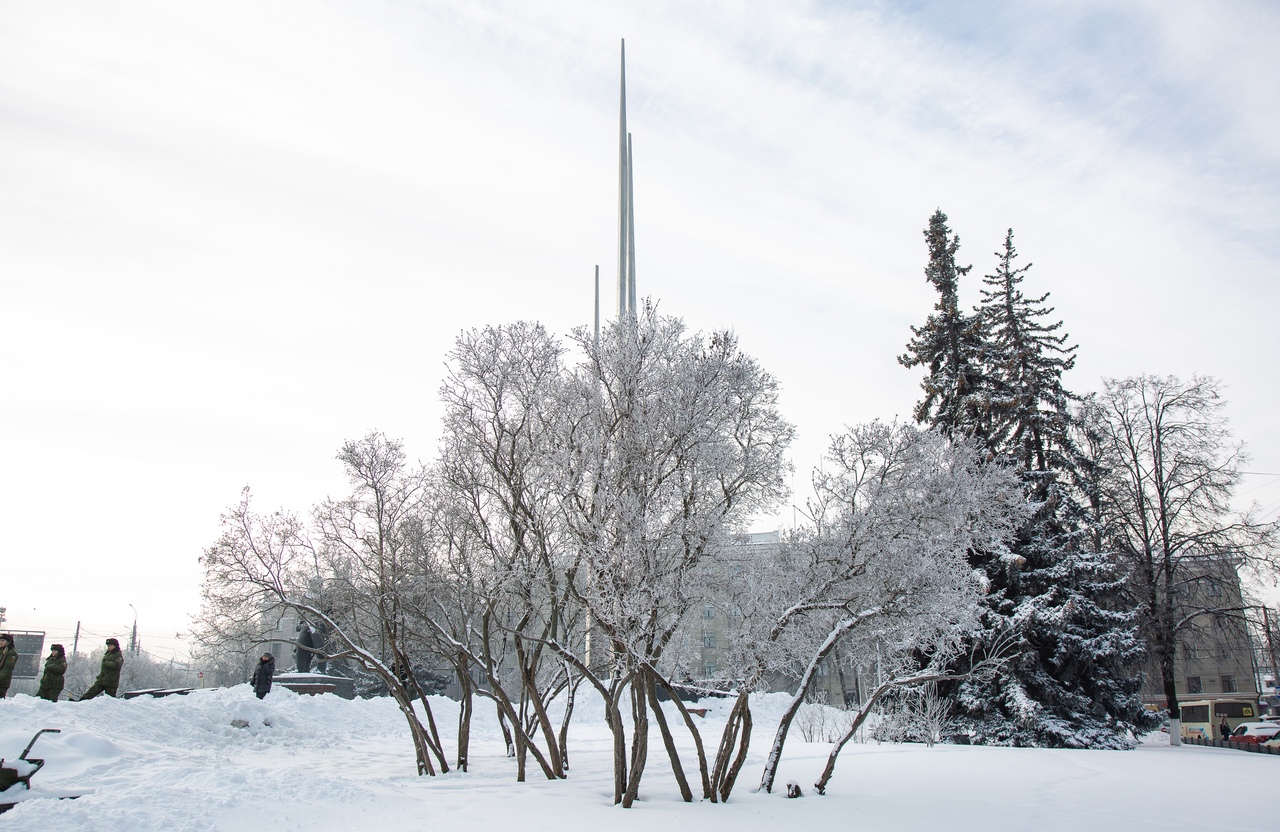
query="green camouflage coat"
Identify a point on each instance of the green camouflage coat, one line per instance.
(8, 658)
(112, 661)
(55, 668)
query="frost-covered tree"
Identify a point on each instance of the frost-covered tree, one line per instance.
(348, 570)
(370, 544)
(673, 442)
(1074, 680)
(882, 572)
(510, 570)
(949, 345)
(558, 492)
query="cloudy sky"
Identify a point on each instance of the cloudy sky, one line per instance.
(234, 234)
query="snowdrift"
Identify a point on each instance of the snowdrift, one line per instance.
(319, 763)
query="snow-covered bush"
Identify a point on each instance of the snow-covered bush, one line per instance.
(819, 722)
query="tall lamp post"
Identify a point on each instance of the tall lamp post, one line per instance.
(133, 638)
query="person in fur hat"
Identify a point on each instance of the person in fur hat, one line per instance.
(262, 675)
(8, 658)
(109, 676)
(55, 669)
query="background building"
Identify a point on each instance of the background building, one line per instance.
(1215, 655)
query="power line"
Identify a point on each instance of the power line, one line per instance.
(1260, 485)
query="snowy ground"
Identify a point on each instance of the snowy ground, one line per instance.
(323, 763)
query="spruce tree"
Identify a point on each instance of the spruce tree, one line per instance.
(1025, 359)
(948, 344)
(1073, 681)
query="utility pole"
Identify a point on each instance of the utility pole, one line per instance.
(1271, 648)
(75, 645)
(133, 638)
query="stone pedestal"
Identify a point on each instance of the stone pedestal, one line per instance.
(316, 683)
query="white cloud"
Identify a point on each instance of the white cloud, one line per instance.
(235, 234)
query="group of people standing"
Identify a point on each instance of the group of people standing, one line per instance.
(55, 670)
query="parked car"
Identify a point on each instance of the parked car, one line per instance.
(1255, 732)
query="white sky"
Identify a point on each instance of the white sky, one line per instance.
(234, 234)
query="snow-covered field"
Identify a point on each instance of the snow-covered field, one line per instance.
(323, 763)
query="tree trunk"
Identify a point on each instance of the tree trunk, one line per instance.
(402, 670)
(707, 792)
(639, 743)
(728, 738)
(728, 765)
(421, 741)
(865, 710)
(544, 723)
(614, 718)
(465, 707)
(570, 695)
(821, 785)
(513, 729)
(437, 747)
(506, 731)
(731, 777)
(779, 738)
(676, 768)
(806, 681)
(613, 715)
(1170, 682)
(522, 754)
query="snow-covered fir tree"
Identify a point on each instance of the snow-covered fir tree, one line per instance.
(1074, 679)
(948, 345)
(1024, 359)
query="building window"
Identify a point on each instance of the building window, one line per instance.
(1193, 685)
(710, 669)
(708, 639)
(1228, 684)
(1190, 652)
(708, 612)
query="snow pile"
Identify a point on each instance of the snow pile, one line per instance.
(320, 763)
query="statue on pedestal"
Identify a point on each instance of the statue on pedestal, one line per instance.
(307, 642)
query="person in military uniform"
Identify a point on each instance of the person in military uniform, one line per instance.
(55, 668)
(109, 677)
(8, 658)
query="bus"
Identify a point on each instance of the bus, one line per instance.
(1202, 717)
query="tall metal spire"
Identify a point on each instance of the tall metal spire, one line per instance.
(626, 206)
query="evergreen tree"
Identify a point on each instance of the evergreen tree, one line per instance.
(1025, 359)
(948, 344)
(1074, 680)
